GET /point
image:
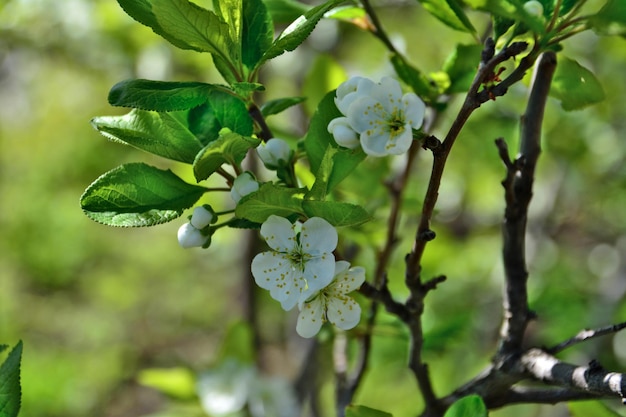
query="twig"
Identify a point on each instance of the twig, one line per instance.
(585, 335)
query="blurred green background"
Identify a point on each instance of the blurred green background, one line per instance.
(96, 305)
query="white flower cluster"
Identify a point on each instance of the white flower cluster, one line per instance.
(376, 116)
(300, 269)
(190, 234)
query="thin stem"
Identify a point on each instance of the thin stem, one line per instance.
(378, 31)
(585, 335)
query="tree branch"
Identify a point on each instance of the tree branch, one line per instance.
(585, 335)
(593, 379)
(518, 193)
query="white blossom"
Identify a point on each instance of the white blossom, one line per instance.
(201, 217)
(190, 237)
(299, 264)
(331, 303)
(243, 185)
(274, 152)
(380, 116)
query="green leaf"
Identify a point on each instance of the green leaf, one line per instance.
(337, 213)
(575, 86)
(229, 148)
(501, 25)
(10, 387)
(363, 411)
(450, 13)
(244, 89)
(280, 104)
(591, 408)
(511, 9)
(611, 19)
(258, 32)
(185, 25)
(285, 11)
(299, 30)
(136, 195)
(160, 95)
(317, 141)
(222, 110)
(179, 383)
(470, 406)
(413, 78)
(347, 13)
(269, 199)
(158, 133)
(230, 12)
(461, 67)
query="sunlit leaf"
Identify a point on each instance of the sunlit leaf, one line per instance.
(575, 86)
(136, 194)
(337, 213)
(158, 133)
(450, 13)
(229, 148)
(299, 30)
(363, 411)
(179, 383)
(183, 24)
(160, 95)
(238, 344)
(10, 387)
(270, 199)
(461, 67)
(470, 406)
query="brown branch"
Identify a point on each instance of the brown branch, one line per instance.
(518, 193)
(585, 335)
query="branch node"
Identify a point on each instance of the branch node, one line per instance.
(431, 143)
(489, 50)
(427, 235)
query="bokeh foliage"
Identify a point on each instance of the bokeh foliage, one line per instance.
(95, 306)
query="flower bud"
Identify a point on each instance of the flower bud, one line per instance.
(274, 153)
(534, 8)
(243, 185)
(201, 217)
(190, 237)
(342, 132)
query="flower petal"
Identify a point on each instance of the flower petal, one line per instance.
(366, 113)
(346, 280)
(318, 273)
(400, 143)
(343, 312)
(342, 132)
(374, 142)
(414, 110)
(311, 318)
(274, 271)
(318, 237)
(279, 234)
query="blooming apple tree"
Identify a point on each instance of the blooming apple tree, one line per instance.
(306, 221)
